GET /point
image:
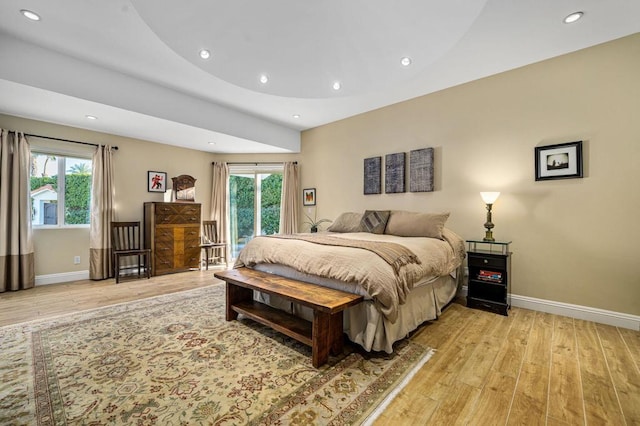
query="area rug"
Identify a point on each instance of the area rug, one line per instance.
(174, 360)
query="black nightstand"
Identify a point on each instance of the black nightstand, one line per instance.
(489, 276)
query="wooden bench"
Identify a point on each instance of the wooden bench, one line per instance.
(324, 334)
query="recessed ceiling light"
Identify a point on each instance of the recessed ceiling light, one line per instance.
(405, 61)
(296, 115)
(30, 15)
(205, 54)
(212, 143)
(337, 85)
(264, 79)
(573, 17)
(91, 117)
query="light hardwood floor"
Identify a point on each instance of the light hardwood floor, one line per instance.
(528, 368)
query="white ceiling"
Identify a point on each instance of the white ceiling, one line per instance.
(135, 64)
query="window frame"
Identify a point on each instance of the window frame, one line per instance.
(61, 190)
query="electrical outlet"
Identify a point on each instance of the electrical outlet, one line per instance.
(76, 260)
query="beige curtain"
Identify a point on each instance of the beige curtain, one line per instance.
(219, 200)
(289, 202)
(102, 214)
(17, 267)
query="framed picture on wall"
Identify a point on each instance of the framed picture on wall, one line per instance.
(156, 181)
(560, 161)
(394, 173)
(372, 175)
(421, 170)
(309, 197)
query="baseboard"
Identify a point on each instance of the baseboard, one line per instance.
(62, 277)
(601, 316)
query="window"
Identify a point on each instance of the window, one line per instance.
(60, 190)
(254, 201)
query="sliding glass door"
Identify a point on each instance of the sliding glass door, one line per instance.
(254, 203)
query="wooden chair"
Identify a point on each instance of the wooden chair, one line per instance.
(213, 248)
(126, 242)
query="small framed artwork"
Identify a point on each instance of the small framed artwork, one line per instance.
(309, 197)
(372, 175)
(560, 161)
(156, 181)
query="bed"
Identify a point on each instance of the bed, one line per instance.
(407, 265)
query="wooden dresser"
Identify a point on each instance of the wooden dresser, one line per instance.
(172, 232)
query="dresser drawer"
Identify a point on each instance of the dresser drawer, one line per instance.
(187, 209)
(163, 248)
(175, 213)
(163, 262)
(164, 234)
(177, 219)
(487, 260)
(192, 236)
(192, 258)
(165, 209)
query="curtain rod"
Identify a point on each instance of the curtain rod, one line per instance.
(257, 164)
(66, 140)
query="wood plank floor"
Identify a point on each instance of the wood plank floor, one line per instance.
(528, 368)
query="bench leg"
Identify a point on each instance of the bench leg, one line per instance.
(337, 334)
(320, 338)
(235, 294)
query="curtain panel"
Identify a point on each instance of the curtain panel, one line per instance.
(289, 202)
(102, 214)
(220, 201)
(17, 265)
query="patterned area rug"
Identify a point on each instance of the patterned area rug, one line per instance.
(174, 360)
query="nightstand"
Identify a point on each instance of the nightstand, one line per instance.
(489, 285)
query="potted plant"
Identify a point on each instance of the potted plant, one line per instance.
(313, 223)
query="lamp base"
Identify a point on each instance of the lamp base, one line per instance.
(488, 236)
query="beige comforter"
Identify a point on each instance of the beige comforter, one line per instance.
(359, 267)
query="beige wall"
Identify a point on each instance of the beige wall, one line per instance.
(574, 241)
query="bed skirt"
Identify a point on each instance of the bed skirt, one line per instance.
(363, 323)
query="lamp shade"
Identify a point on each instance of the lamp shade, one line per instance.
(489, 197)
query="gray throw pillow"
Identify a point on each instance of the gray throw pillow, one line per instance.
(375, 221)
